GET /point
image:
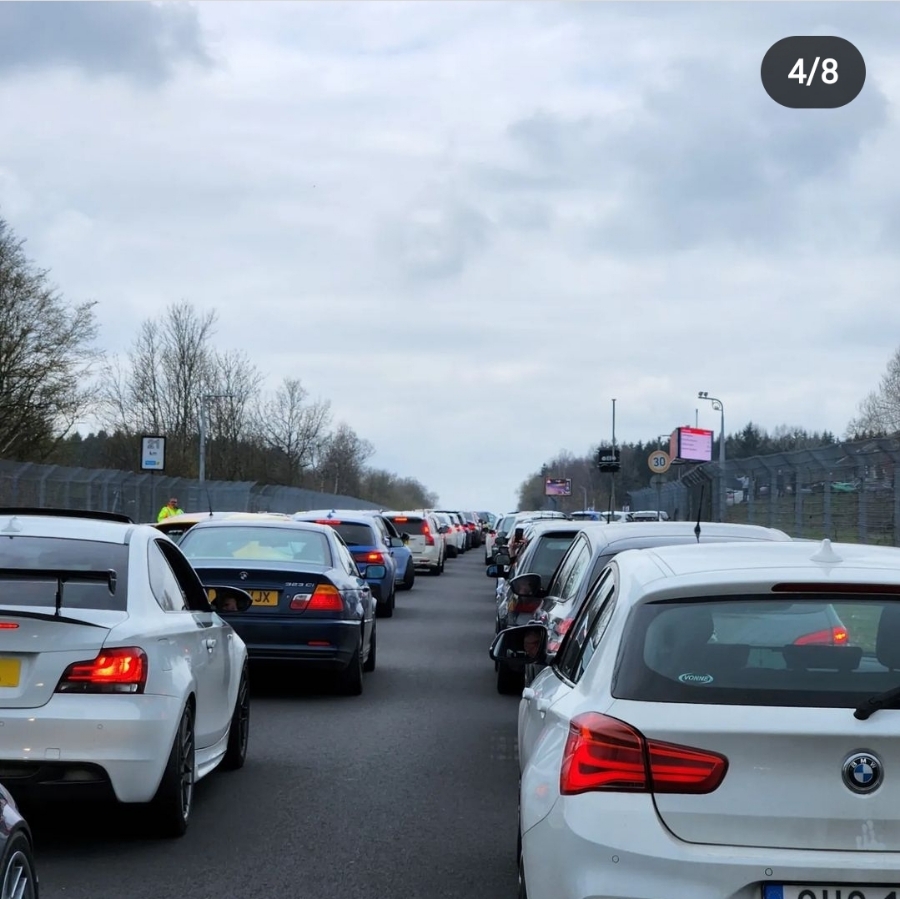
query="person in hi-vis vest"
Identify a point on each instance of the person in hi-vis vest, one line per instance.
(169, 510)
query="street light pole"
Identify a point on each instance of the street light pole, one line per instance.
(202, 466)
(719, 406)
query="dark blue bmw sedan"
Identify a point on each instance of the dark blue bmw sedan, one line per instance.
(310, 603)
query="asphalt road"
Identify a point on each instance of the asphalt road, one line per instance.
(407, 791)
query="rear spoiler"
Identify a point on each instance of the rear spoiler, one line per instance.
(62, 576)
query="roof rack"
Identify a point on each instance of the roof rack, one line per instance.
(66, 513)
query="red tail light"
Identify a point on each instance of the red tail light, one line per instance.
(603, 753)
(832, 636)
(373, 558)
(325, 598)
(429, 540)
(113, 671)
(8, 625)
(559, 631)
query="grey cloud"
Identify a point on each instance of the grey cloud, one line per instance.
(437, 241)
(143, 41)
(709, 157)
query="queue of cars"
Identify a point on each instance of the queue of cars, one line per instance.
(705, 710)
(144, 634)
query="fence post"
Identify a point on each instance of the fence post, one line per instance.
(862, 504)
(826, 508)
(798, 504)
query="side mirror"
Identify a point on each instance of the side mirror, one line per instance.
(502, 558)
(397, 542)
(527, 585)
(502, 540)
(374, 571)
(519, 646)
(443, 529)
(492, 571)
(228, 599)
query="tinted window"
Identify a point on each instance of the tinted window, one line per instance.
(163, 583)
(548, 553)
(54, 552)
(761, 650)
(409, 525)
(355, 534)
(569, 581)
(587, 629)
(277, 544)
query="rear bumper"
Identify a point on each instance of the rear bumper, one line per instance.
(318, 644)
(427, 558)
(580, 852)
(113, 746)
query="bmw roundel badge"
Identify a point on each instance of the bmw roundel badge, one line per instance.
(243, 575)
(862, 772)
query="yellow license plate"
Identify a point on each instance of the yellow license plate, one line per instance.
(9, 672)
(264, 597)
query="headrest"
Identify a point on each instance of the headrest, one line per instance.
(887, 643)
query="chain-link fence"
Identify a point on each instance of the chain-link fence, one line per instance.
(140, 496)
(848, 492)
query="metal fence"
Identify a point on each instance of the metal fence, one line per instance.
(140, 496)
(844, 491)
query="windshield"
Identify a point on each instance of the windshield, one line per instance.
(275, 544)
(761, 650)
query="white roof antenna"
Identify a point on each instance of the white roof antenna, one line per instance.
(825, 553)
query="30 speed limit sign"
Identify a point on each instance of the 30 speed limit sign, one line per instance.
(659, 462)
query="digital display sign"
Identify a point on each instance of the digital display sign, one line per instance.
(694, 444)
(558, 487)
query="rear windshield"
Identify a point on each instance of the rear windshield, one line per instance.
(761, 650)
(548, 554)
(276, 544)
(26, 553)
(408, 525)
(353, 534)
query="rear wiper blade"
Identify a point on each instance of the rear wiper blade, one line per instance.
(890, 699)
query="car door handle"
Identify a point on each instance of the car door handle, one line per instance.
(528, 693)
(210, 644)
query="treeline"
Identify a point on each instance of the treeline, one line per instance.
(590, 487)
(172, 377)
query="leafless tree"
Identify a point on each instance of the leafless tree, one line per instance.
(234, 388)
(343, 460)
(879, 412)
(294, 429)
(46, 356)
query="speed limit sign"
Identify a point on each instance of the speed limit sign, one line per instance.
(659, 462)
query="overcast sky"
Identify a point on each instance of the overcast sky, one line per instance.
(470, 225)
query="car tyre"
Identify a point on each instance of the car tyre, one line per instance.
(350, 680)
(369, 664)
(452, 552)
(410, 577)
(509, 682)
(174, 798)
(239, 730)
(386, 609)
(17, 873)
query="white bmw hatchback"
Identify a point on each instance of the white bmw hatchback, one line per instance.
(720, 721)
(115, 671)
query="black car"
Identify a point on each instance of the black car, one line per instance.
(18, 878)
(548, 543)
(311, 605)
